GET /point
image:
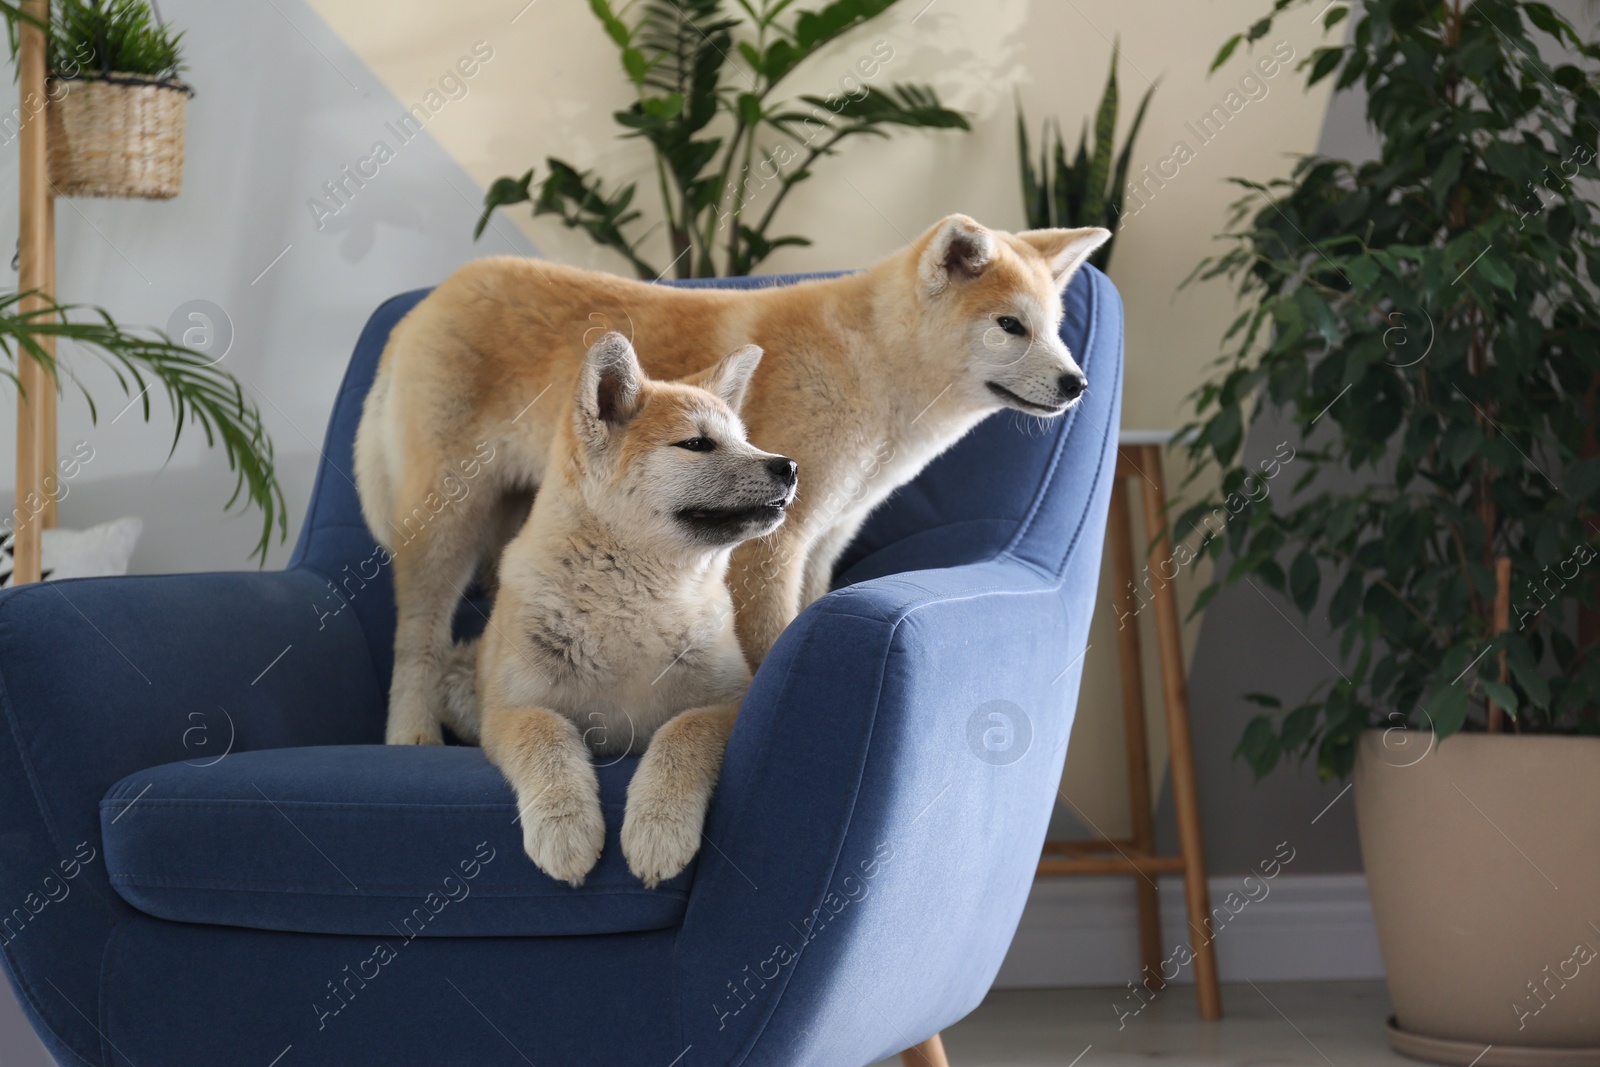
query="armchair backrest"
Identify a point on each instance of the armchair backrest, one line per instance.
(1002, 490)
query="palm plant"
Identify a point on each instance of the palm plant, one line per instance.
(197, 391)
(1087, 191)
(678, 55)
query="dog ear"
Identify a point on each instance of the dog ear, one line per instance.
(730, 376)
(958, 250)
(1066, 250)
(608, 387)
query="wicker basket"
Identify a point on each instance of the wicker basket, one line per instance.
(120, 135)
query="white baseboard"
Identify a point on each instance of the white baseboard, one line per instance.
(1084, 932)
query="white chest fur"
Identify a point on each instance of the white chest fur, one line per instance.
(616, 644)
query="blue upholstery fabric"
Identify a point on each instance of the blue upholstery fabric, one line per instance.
(867, 854)
(235, 843)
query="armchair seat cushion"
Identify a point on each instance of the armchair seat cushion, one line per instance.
(397, 842)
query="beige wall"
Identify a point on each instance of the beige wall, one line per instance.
(554, 80)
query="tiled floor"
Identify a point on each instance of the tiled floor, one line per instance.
(1273, 1024)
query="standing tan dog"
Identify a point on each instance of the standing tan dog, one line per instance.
(612, 627)
(866, 378)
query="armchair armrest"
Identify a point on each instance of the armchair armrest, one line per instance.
(102, 677)
(882, 804)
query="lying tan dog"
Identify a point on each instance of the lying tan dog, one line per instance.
(866, 378)
(612, 626)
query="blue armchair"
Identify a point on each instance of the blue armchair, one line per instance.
(206, 855)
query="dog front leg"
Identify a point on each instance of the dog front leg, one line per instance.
(431, 566)
(558, 795)
(420, 660)
(671, 790)
(764, 580)
(824, 554)
(460, 688)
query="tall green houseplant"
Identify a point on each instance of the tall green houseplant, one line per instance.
(1429, 322)
(1088, 189)
(727, 152)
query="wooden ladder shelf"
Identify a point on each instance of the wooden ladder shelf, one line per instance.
(1139, 460)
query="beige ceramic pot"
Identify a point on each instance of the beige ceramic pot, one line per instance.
(1483, 861)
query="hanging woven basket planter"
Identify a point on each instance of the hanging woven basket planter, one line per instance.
(117, 135)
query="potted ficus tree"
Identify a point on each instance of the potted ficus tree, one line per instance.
(1429, 320)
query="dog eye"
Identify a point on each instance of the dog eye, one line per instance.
(697, 444)
(1011, 326)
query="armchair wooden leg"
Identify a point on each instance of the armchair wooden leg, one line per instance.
(929, 1053)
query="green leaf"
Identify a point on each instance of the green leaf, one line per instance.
(1448, 711)
(1259, 746)
(1119, 182)
(1528, 675)
(1225, 51)
(633, 62)
(582, 202)
(1496, 270)
(1204, 597)
(760, 247)
(1305, 582)
(1324, 62)
(501, 192)
(898, 105)
(664, 108)
(689, 158)
(1503, 695)
(1346, 599)
(780, 59)
(1105, 128)
(1297, 728)
(1031, 201)
(749, 108)
(1582, 479)
(815, 28)
(1362, 270)
(614, 27)
(1547, 20)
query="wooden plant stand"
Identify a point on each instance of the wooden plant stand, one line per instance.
(36, 266)
(1139, 460)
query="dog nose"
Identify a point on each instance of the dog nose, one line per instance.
(783, 468)
(1072, 385)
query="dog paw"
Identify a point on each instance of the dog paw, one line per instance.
(411, 722)
(417, 736)
(660, 835)
(564, 840)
